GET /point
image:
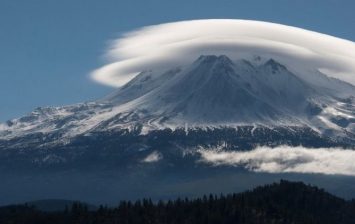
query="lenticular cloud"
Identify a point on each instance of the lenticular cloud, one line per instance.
(286, 159)
(172, 44)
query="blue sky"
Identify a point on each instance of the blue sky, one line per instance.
(48, 47)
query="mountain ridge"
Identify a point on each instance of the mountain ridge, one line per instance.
(213, 91)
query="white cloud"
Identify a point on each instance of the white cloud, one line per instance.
(286, 159)
(165, 45)
(153, 157)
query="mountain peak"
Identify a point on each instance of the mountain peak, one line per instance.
(208, 59)
(274, 65)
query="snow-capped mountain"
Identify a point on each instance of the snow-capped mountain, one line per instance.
(213, 91)
(159, 134)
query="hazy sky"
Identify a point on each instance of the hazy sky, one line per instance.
(48, 47)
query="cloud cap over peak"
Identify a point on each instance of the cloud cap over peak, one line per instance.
(179, 43)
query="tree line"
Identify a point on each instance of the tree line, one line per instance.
(279, 203)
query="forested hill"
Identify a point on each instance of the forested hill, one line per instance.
(283, 202)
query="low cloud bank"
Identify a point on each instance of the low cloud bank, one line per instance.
(153, 157)
(285, 159)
